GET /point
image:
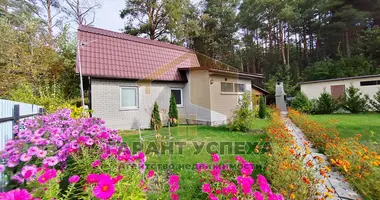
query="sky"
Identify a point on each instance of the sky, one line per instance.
(108, 16)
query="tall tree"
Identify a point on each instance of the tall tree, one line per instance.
(82, 11)
(154, 18)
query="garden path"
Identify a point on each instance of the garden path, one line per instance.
(334, 180)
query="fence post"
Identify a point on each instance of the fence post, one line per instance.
(16, 116)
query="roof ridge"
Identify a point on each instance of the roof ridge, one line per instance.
(123, 36)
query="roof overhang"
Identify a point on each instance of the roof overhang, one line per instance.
(340, 79)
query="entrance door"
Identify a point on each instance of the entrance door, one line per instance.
(337, 91)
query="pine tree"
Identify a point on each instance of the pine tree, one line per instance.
(262, 108)
(173, 111)
(155, 122)
(353, 100)
(376, 102)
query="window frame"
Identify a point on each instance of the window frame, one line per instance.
(180, 89)
(236, 87)
(136, 98)
(221, 83)
(365, 83)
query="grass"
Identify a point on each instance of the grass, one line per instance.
(192, 137)
(368, 125)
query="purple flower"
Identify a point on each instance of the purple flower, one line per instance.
(12, 163)
(18, 177)
(74, 179)
(33, 150)
(50, 161)
(2, 168)
(41, 154)
(75, 133)
(90, 142)
(25, 157)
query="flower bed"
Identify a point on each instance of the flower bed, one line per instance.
(355, 161)
(285, 165)
(58, 157)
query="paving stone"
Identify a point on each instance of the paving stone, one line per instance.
(334, 180)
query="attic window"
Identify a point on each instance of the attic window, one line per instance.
(227, 87)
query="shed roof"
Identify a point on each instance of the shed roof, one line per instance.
(341, 79)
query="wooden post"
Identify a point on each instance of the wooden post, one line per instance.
(16, 116)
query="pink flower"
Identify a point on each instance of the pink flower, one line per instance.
(49, 174)
(92, 178)
(206, 188)
(247, 169)
(117, 179)
(263, 184)
(215, 157)
(104, 156)
(258, 195)
(240, 159)
(105, 187)
(17, 194)
(174, 188)
(150, 173)
(28, 171)
(173, 179)
(41, 154)
(174, 196)
(25, 157)
(96, 163)
(74, 179)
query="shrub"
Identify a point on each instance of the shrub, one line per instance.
(375, 103)
(325, 104)
(242, 116)
(302, 103)
(353, 100)
(262, 108)
(155, 122)
(173, 111)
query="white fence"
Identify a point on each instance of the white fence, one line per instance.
(10, 113)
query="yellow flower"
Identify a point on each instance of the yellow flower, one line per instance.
(292, 196)
(291, 186)
(328, 195)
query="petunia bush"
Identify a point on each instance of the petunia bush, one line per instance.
(57, 156)
(219, 181)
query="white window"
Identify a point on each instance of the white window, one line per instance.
(177, 93)
(227, 87)
(128, 98)
(239, 87)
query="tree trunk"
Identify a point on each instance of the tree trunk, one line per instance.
(305, 52)
(270, 35)
(282, 46)
(347, 41)
(288, 48)
(49, 21)
(6, 8)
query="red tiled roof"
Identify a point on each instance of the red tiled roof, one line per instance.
(116, 55)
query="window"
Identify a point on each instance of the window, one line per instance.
(128, 98)
(239, 87)
(227, 87)
(368, 83)
(177, 93)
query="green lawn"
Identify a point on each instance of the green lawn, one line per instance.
(351, 124)
(211, 137)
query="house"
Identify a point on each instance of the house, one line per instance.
(126, 75)
(369, 85)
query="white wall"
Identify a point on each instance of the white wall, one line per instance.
(313, 90)
(105, 97)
